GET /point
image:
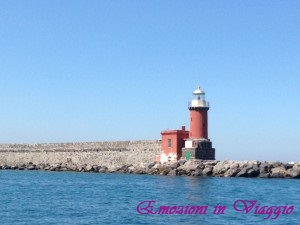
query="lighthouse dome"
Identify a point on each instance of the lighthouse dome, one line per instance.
(198, 91)
(199, 99)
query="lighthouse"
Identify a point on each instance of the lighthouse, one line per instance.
(198, 145)
(193, 144)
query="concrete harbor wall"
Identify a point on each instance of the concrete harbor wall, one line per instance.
(93, 153)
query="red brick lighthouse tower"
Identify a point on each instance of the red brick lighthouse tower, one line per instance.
(198, 115)
(198, 146)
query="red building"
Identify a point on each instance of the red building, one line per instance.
(172, 141)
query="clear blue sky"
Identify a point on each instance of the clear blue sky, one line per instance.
(125, 70)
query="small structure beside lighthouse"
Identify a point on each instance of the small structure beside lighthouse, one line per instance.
(172, 142)
(193, 144)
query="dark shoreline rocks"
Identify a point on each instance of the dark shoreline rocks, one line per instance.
(196, 168)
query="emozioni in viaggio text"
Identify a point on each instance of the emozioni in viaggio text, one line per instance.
(239, 206)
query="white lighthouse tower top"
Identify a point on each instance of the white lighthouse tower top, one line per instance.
(198, 91)
(199, 99)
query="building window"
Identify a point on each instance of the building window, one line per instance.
(169, 143)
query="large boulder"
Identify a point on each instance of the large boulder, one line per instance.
(172, 173)
(278, 172)
(288, 166)
(96, 168)
(124, 169)
(173, 165)
(150, 165)
(14, 167)
(164, 170)
(113, 169)
(264, 175)
(254, 172)
(243, 172)
(293, 173)
(188, 166)
(232, 172)
(234, 165)
(207, 171)
(265, 168)
(220, 168)
(140, 170)
(72, 167)
(197, 172)
(153, 170)
(248, 171)
(182, 161)
(210, 162)
(31, 167)
(181, 172)
(276, 164)
(88, 168)
(103, 169)
(296, 166)
(80, 168)
(131, 169)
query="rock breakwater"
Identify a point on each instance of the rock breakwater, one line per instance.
(197, 168)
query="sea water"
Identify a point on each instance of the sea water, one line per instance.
(37, 197)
